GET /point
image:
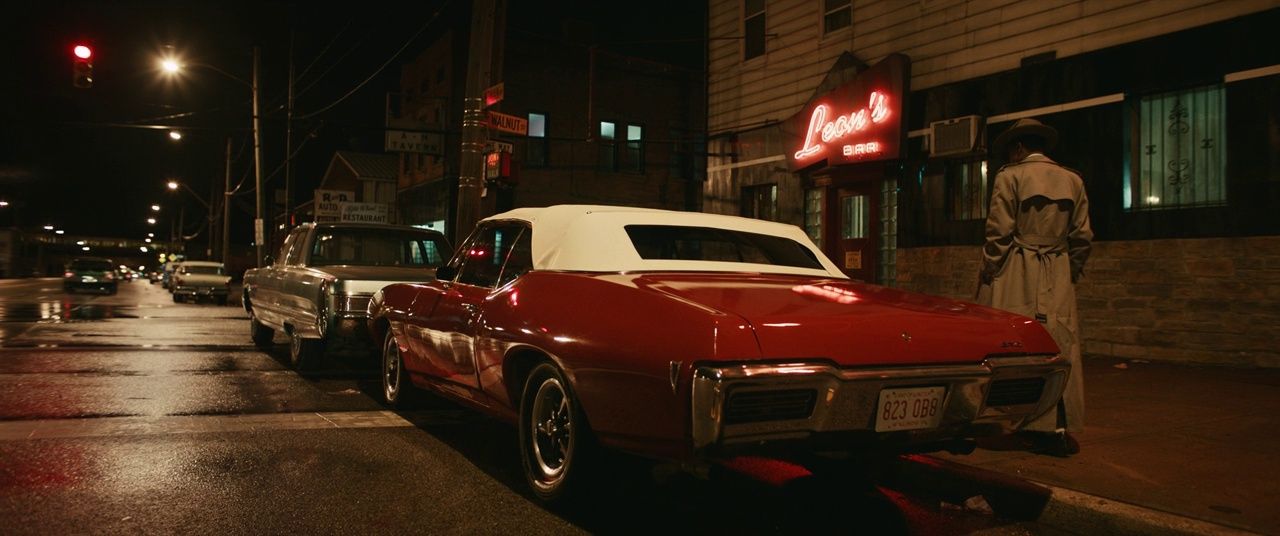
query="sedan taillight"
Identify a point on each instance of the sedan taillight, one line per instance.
(69, 274)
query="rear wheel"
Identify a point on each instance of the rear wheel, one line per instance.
(260, 334)
(555, 442)
(395, 382)
(177, 298)
(304, 354)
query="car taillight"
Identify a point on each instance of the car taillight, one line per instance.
(69, 274)
(110, 276)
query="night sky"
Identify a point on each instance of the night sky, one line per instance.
(85, 161)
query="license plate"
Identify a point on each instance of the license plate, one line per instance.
(910, 408)
(89, 279)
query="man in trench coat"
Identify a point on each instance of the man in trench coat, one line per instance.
(1037, 240)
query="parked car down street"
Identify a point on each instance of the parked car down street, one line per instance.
(317, 291)
(201, 279)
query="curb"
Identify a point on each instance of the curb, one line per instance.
(1051, 506)
(1090, 514)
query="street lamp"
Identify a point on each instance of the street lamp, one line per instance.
(48, 227)
(4, 203)
(175, 135)
(151, 221)
(173, 185)
(173, 66)
(155, 208)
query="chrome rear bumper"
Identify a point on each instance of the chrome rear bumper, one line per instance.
(846, 399)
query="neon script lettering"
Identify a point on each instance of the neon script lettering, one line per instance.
(877, 111)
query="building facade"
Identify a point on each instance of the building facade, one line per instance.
(1169, 110)
(602, 127)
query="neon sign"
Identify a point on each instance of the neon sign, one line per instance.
(860, 120)
(877, 111)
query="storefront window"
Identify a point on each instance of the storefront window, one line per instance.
(1181, 151)
(836, 15)
(813, 214)
(760, 202)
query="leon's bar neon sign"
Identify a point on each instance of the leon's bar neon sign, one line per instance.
(876, 112)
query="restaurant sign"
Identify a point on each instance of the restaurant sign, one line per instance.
(859, 121)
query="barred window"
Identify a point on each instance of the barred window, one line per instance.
(968, 184)
(608, 148)
(888, 260)
(1181, 151)
(813, 214)
(634, 159)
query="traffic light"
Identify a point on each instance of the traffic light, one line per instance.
(82, 68)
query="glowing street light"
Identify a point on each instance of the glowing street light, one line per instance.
(173, 185)
(4, 203)
(151, 235)
(147, 240)
(86, 248)
(48, 227)
(170, 65)
(175, 135)
(151, 221)
(144, 250)
(155, 208)
(59, 231)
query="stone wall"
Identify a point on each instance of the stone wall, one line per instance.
(1195, 300)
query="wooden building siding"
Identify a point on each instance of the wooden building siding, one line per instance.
(947, 40)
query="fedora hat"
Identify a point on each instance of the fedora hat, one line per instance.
(1025, 127)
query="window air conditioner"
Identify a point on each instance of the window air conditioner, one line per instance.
(955, 136)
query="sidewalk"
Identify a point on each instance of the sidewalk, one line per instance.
(1197, 441)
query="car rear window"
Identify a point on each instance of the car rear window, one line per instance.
(91, 266)
(377, 247)
(672, 242)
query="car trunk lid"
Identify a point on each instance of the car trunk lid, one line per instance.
(855, 324)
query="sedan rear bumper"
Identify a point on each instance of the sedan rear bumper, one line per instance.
(812, 400)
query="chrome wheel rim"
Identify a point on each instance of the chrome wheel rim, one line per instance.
(551, 429)
(391, 371)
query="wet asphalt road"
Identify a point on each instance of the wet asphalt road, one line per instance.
(129, 413)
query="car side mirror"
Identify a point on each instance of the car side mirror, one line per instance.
(446, 273)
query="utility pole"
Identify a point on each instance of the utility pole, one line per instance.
(288, 144)
(226, 208)
(259, 226)
(213, 205)
(474, 122)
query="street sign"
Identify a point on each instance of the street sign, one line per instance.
(508, 123)
(495, 146)
(365, 212)
(495, 93)
(257, 233)
(328, 204)
(399, 141)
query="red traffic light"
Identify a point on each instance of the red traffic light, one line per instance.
(83, 52)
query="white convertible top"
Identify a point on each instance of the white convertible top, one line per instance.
(592, 238)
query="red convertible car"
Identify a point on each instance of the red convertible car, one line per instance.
(689, 336)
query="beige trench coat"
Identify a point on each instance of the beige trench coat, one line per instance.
(1037, 240)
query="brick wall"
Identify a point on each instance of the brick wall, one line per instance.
(1196, 300)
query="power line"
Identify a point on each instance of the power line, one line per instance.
(323, 51)
(383, 66)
